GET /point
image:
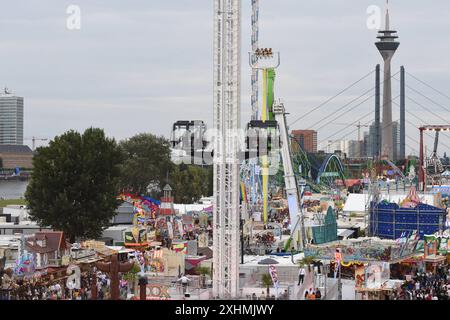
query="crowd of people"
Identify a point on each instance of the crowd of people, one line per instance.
(264, 296)
(50, 289)
(426, 286)
(313, 295)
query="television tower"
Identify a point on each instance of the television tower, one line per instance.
(387, 45)
(227, 114)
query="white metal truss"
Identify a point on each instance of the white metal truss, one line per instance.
(255, 37)
(227, 73)
(293, 196)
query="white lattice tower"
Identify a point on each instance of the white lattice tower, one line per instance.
(227, 73)
(255, 36)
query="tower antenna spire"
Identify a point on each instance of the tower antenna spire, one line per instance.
(387, 15)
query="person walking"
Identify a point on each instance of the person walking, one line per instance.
(184, 282)
(301, 275)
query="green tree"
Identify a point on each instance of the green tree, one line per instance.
(203, 271)
(74, 183)
(197, 178)
(132, 277)
(147, 162)
(307, 261)
(266, 281)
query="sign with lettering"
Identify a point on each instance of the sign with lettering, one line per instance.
(157, 291)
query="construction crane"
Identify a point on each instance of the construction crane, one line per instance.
(359, 126)
(226, 122)
(33, 141)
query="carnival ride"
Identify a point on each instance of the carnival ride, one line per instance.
(431, 169)
(226, 119)
(293, 195)
(434, 167)
(145, 210)
(320, 172)
(188, 140)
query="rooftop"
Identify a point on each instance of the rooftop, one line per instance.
(13, 148)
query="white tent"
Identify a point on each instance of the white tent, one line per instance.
(356, 202)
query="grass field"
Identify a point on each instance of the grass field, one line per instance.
(4, 203)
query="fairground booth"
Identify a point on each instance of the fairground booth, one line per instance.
(369, 260)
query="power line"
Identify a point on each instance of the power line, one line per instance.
(429, 86)
(342, 137)
(346, 105)
(351, 131)
(428, 110)
(392, 100)
(333, 97)
(409, 145)
(350, 125)
(332, 120)
(429, 99)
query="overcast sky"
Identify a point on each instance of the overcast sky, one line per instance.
(140, 65)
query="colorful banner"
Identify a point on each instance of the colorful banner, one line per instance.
(135, 236)
(274, 275)
(180, 247)
(436, 244)
(360, 277)
(180, 227)
(170, 230)
(25, 265)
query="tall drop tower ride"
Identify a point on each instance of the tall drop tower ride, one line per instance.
(255, 36)
(227, 113)
(387, 45)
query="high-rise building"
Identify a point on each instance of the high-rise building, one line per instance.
(355, 149)
(396, 140)
(335, 146)
(387, 45)
(307, 139)
(11, 119)
(370, 139)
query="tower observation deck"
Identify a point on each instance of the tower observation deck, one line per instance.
(387, 45)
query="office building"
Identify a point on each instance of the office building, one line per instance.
(11, 119)
(306, 139)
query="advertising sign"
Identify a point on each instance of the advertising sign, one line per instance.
(376, 274)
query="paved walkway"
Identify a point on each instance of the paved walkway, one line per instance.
(299, 290)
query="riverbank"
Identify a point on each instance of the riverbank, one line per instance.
(12, 189)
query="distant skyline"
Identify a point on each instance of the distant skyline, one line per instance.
(138, 66)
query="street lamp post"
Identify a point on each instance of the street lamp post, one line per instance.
(340, 283)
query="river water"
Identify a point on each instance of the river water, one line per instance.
(13, 189)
